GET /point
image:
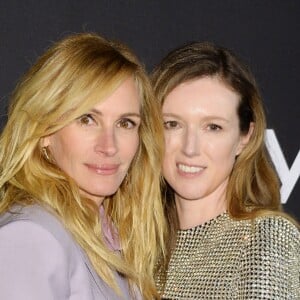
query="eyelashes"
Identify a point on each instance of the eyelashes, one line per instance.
(86, 119)
(173, 124)
(125, 123)
(214, 127)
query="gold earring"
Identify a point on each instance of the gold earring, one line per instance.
(46, 154)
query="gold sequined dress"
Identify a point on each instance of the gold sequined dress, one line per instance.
(229, 259)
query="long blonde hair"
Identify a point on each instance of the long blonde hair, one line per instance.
(69, 79)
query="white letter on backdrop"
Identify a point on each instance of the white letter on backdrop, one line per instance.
(288, 177)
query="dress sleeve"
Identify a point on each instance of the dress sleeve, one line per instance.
(270, 264)
(33, 265)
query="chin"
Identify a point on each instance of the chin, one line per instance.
(107, 192)
(99, 193)
(190, 196)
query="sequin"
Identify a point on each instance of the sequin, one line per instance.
(236, 260)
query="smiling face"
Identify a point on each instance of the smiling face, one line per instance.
(97, 148)
(202, 138)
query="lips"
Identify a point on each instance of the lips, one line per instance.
(104, 169)
(189, 169)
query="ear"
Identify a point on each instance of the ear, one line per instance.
(45, 141)
(244, 139)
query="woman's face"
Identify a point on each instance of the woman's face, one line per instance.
(97, 148)
(202, 138)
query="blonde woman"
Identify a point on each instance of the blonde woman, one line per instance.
(229, 238)
(81, 214)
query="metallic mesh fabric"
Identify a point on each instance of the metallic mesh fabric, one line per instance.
(229, 259)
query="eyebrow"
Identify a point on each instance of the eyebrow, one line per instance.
(128, 114)
(212, 117)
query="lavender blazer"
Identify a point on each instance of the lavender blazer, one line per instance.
(39, 260)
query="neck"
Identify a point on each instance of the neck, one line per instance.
(192, 213)
(97, 199)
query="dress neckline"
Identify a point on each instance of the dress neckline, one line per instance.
(221, 216)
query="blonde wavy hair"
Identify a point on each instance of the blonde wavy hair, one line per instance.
(254, 188)
(68, 80)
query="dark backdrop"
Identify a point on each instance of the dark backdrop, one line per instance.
(265, 34)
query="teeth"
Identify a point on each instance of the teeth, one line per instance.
(188, 169)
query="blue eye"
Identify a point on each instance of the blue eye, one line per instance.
(171, 124)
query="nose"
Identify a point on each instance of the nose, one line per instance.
(191, 145)
(106, 142)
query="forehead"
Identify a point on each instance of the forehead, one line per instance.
(202, 95)
(124, 97)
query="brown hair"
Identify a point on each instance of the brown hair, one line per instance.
(253, 187)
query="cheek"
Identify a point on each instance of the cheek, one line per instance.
(130, 146)
(169, 156)
(173, 142)
(169, 163)
(61, 153)
(136, 147)
(222, 148)
(64, 146)
(224, 154)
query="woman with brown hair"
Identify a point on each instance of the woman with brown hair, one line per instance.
(229, 238)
